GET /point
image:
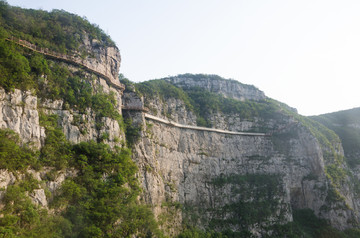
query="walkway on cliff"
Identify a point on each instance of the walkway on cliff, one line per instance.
(199, 128)
(68, 59)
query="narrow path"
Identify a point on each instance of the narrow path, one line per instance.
(199, 128)
(69, 59)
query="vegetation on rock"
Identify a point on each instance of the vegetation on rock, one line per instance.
(305, 225)
(345, 124)
(57, 30)
(204, 103)
(101, 201)
(50, 80)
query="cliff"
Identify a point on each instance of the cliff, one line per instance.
(213, 83)
(64, 167)
(346, 125)
(239, 182)
(211, 157)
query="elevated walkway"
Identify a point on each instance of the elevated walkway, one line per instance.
(68, 59)
(199, 128)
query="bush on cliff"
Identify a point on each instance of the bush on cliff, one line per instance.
(101, 201)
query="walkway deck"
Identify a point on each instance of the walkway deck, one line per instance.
(68, 59)
(199, 128)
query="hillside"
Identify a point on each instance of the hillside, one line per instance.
(64, 169)
(300, 161)
(83, 155)
(346, 124)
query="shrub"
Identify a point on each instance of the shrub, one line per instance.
(15, 156)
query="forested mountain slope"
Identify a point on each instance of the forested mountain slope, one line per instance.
(346, 124)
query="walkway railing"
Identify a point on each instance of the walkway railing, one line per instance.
(199, 128)
(110, 79)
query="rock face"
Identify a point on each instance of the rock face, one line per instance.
(173, 108)
(228, 88)
(216, 177)
(79, 127)
(182, 166)
(347, 125)
(199, 178)
(38, 195)
(105, 60)
(18, 112)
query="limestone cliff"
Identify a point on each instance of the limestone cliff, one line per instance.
(213, 83)
(101, 59)
(219, 179)
(23, 111)
(212, 153)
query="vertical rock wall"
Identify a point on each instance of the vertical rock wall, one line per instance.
(207, 179)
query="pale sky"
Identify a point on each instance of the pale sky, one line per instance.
(305, 53)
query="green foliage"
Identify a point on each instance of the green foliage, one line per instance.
(200, 121)
(54, 84)
(105, 136)
(29, 183)
(104, 105)
(129, 86)
(307, 225)
(77, 93)
(207, 102)
(15, 156)
(132, 132)
(101, 200)
(14, 68)
(57, 150)
(331, 146)
(58, 30)
(257, 202)
(21, 218)
(203, 102)
(39, 65)
(344, 124)
(196, 233)
(253, 179)
(164, 90)
(52, 81)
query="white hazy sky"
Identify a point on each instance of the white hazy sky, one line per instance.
(305, 53)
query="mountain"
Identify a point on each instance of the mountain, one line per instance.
(346, 124)
(65, 170)
(84, 154)
(286, 166)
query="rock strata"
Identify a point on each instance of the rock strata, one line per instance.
(227, 88)
(19, 112)
(208, 172)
